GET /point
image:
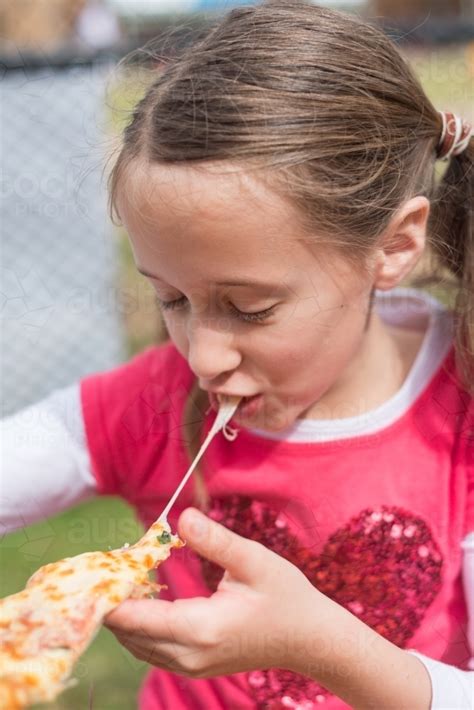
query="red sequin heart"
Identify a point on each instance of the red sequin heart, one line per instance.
(383, 565)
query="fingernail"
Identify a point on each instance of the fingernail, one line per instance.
(197, 523)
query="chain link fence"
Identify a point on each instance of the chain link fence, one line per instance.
(59, 299)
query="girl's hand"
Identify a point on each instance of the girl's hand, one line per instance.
(257, 618)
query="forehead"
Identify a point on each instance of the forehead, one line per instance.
(215, 220)
(208, 192)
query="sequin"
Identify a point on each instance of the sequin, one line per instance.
(256, 679)
(383, 565)
(355, 607)
(396, 530)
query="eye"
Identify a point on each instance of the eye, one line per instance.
(247, 317)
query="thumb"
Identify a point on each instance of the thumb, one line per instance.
(242, 558)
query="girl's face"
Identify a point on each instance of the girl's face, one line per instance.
(252, 308)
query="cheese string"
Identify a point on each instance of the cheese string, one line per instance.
(227, 409)
(230, 433)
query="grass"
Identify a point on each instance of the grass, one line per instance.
(112, 673)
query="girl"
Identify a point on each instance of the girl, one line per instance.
(277, 184)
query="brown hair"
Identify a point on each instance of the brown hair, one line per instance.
(326, 103)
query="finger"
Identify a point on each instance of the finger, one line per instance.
(136, 615)
(158, 620)
(145, 647)
(171, 657)
(242, 558)
(149, 654)
(143, 640)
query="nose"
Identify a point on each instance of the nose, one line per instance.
(211, 351)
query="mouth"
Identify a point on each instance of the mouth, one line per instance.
(248, 405)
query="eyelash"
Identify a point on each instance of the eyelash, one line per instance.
(247, 317)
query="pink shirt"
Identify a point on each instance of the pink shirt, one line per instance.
(372, 509)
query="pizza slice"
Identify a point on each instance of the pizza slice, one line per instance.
(48, 625)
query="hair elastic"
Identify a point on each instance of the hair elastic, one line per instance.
(455, 135)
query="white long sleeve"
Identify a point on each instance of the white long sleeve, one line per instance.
(44, 460)
(468, 583)
(452, 688)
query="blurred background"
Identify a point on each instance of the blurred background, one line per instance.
(71, 300)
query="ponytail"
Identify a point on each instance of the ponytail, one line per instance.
(452, 232)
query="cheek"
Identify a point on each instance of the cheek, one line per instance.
(321, 342)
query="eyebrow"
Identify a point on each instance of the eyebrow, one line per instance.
(243, 282)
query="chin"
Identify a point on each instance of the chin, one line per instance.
(274, 421)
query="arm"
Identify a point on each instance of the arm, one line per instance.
(368, 672)
(44, 460)
(266, 614)
(391, 679)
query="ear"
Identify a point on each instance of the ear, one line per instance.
(402, 243)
